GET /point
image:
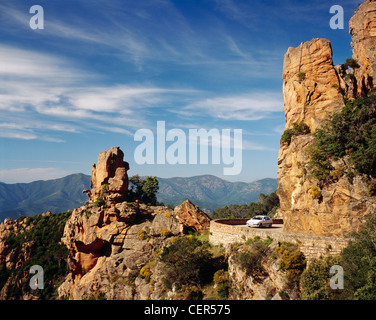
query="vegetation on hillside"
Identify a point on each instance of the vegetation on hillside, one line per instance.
(266, 205)
(251, 255)
(349, 135)
(189, 264)
(195, 269)
(358, 261)
(46, 250)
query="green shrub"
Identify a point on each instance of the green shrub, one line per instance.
(145, 272)
(287, 136)
(352, 133)
(319, 165)
(315, 279)
(223, 282)
(351, 63)
(251, 259)
(99, 202)
(99, 295)
(143, 189)
(187, 261)
(358, 260)
(297, 129)
(165, 233)
(220, 276)
(266, 205)
(47, 251)
(315, 193)
(292, 260)
(192, 293)
(301, 76)
(372, 189)
(336, 174)
(142, 235)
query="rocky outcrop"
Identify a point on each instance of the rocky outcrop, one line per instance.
(108, 247)
(13, 227)
(363, 32)
(313, 89)
(13, 258)
(270, 283)
(192, 217)
(341, 207)
(110, 240)
(109, 178)
(311, 84)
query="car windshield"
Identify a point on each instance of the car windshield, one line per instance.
(257, 218)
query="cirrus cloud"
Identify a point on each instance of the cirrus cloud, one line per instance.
(244, 107)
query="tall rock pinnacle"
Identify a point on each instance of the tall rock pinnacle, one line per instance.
(109, 178)
(363, 32)
(313, 90)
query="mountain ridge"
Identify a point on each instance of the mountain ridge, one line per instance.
(59, 195)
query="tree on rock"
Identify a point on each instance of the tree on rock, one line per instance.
(143, 189)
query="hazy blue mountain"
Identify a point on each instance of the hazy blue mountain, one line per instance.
(210, 192)
(28, 199)
(60, 195)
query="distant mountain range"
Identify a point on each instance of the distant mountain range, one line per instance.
(60, 195)
(210, 192)
(57, 195)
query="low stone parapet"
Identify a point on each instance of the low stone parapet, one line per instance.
(224, 232)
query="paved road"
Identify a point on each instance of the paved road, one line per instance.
(275, 228)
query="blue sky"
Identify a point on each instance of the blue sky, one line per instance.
(101, 70)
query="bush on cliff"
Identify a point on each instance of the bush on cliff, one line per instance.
(358, 261)
(297, 130)
(292, 260)
(189, 261)
(352, 133)
(46, 250)
(251, 256)
(315, 280)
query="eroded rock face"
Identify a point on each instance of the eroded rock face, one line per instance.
(311, 84)
(313, 89)
(192, 217)
(109, 179)
(13, 259)
(363, 32)
(266, 284)
(112, 243)
(110, 240)
(344, 206)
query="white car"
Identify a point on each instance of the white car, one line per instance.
(260, 221)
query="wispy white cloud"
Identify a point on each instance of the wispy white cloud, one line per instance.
(67, 98)
(149, 31)
(135, 31)
(242, 107)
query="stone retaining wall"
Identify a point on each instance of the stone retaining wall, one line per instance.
(311, 246)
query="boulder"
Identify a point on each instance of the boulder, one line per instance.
(192, 217)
